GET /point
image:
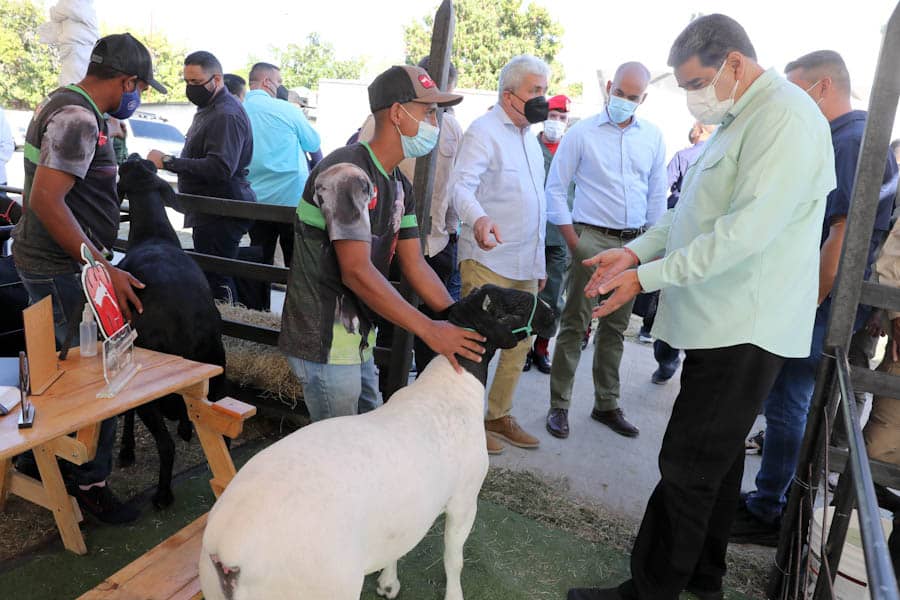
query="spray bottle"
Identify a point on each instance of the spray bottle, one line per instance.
(87, 333)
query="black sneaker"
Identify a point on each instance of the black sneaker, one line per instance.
(101, 503)
(747, 528)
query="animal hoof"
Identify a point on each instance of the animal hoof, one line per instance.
(163, 499)
(390, 591)
(126, 458)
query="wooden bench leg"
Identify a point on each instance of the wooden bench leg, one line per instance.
(63, 512)
(5, 477)
(213, 442)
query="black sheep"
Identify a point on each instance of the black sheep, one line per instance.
(179, 315)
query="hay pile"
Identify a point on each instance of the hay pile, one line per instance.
(257, 365)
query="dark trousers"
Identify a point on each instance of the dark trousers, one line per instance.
(221, 238)
(68, 301)
(267, 235)
(683, 536)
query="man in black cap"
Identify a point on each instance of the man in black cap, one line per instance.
(69, 200)
(357, 211)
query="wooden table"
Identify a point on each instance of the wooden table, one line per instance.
(71, 405)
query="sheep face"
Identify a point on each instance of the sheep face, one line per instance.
(504, 316)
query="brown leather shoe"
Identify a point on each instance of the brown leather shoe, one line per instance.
(494, 446)
(615, 420)
(507, 429)
(558, 422)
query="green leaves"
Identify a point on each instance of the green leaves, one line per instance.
(28, 68)
(304, 65)
(488, 34)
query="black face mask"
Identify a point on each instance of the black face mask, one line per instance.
(198, 92)
(281, 93)
(536, 110)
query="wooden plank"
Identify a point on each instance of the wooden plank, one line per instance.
(89, 436)
(31, 489)
(239, 268)
(5, 478)
(875, 382)
(166, 572)
(59, 500)
(234, 408)
(883, 473)
(203, 414)
(880, 296)
(72, 404)
(70, 449)
(43, 366)
(253, 333)
(239, 209)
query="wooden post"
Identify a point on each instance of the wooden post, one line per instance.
(423, 186)
(5, 475)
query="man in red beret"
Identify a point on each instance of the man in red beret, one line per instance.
(555, 251)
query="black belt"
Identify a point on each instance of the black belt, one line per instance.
(624, 234)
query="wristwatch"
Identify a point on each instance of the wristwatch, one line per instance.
(168, 162)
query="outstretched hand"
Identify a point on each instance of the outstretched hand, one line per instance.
(609, 263)
(623, 287)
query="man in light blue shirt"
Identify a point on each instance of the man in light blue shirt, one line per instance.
(739, 280)
(278, 170)
(617, 162)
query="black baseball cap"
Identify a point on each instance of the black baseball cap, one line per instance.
(407, 84)
(120, 51)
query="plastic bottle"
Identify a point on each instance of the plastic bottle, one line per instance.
(87, 333)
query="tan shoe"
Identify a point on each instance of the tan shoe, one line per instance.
(494, 446)
(507, 429)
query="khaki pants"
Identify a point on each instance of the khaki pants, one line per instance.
(882, 431)
(608, 339)
(500, 397)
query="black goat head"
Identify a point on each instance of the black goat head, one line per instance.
(138, 175)
(504, 315)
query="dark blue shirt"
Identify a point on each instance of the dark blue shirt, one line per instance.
(216, 155)
(846, 137)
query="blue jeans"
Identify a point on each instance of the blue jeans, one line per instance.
(68, 302)
(336, 390)
(786, 409)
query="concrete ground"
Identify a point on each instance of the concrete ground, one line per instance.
(598, 464)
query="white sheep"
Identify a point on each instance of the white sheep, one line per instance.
(309, 517)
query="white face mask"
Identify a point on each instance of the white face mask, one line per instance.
(705, 106)
(554, 130)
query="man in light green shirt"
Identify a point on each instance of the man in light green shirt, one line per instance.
(737, 265)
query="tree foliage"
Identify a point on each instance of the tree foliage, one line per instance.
(168, 68)
(304, 65)
(28, 68)
(487, 35)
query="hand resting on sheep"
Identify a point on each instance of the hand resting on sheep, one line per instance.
(311, 515)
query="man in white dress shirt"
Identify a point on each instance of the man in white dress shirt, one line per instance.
(617, 162)
(498, 192)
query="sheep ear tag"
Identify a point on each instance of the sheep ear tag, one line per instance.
(100, 295)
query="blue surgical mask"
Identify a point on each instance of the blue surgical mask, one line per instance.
(423, 142)
(620, 109)
(129, 103)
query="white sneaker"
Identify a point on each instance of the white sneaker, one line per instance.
(645, 338)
